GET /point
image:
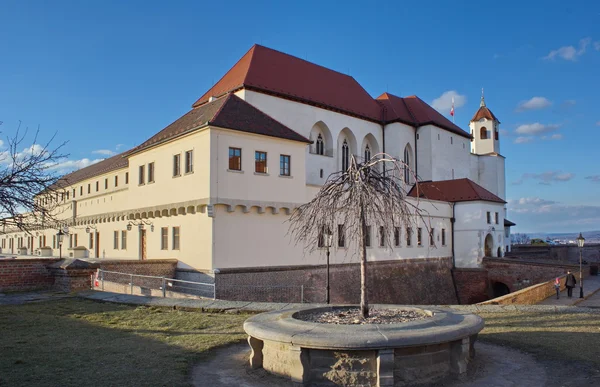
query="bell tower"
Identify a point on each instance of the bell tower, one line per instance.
(485, 129)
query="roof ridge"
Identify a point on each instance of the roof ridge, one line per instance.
(227, 97)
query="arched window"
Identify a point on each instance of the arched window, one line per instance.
(345, 156)
(367, 153)
(407, 164)
(483, 133)
(496, 134)
(320, 147)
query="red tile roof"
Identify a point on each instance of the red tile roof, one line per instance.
(414, 111)
(229, 112)
(484, 112)
(274, 72)
(459, 190)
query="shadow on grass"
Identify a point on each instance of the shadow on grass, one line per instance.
(74, 342)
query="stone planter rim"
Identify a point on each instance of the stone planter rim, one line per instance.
(446, 325)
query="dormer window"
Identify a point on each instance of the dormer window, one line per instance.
(320, 145)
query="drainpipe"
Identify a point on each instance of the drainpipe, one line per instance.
(416, 153)
(452, 221)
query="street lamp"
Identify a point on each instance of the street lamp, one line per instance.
(580, 242)
(59, 237)
(328, 240)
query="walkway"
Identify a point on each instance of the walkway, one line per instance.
(591, 293)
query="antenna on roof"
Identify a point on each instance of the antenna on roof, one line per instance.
(482, 103)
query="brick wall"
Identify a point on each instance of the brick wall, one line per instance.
(560, 253)
(472, 285)
(530, 295)
(25, 274)
(152, 267)
(410, 281)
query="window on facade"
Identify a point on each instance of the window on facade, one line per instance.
(116, 181)
(341, 234)
(67, 194)
(142, 175)
(89, 188)
(81, 191)
(396, 236)
(97, 186)
(381, 236)
(73, 193)
(368, 236)
(451, 140)
(189, 161)
(443, 237)
(91, 242)
(496, 134)
(151, 173)
(284, 165)
(175, 238)
(71, 241)
(345, 155)
(116, 240)
(408, 236)
(419, 236)
(483, 133)
(176, 165)
(105, 183)
(235, 159)
(124, 240)
(496, 217)
(489, 217)
(126, 177)
(260, 162)
(320, 145)
(53, 242)
(164, 238)
(321, 173)
(432, 237)
(75, 239)
(367, 153)
(407, 164)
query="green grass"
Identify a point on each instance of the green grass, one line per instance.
(76, 342)
(558, 336)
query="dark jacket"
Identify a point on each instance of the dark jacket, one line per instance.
(570, 281)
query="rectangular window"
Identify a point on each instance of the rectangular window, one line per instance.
(91, 244)
(81, 191)
(176, 165)
(126, 177)
(151, 173)
(53, 241)
(496, 217)
(75, 240)
(142, 175)
(341, 236)
(97, 186)
(235, 159)
(105, 183)
(432, 237)
(116, 240)
(260, 162)
(443, 237)
(68, 195)
(71, 241)
(89, 188)
(381, 236)
(44, 241)
(419, 236)
(164, 238)
(368, 236)
(124, 240)
(116, 181)
(73, 193)
(189, 161)
(489, 217)
(284, 165)
(175, 238)
(321, 238)
(408, 236)
(397, 236)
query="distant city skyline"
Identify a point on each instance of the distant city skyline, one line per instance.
(107, 75)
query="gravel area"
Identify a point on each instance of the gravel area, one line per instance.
(352, 316)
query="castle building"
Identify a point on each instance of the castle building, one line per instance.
(214, 188)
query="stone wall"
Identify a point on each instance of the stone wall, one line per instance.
(472, 285)
(25, 274)
(410, 281)
(559, 253)
(528, 296)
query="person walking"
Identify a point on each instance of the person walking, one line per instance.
(570, 282)
(557, 287)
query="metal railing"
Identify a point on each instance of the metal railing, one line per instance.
(200, 289)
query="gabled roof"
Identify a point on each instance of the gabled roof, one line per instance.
(230, 112)
(508, 223)
(459, 190)
(273, 72)
(416, 112)
(108, 165)
(484, 112)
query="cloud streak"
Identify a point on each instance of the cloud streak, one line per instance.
(551, 216)
(546, 178)
(593, 178)
(104, 152)
(570, 53)
(536, 129)
(535, 103)
(443, 103)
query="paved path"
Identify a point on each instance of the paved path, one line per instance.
(23, 298)
(591, 293)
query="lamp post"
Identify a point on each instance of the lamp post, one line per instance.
(580, 242)
(59, 237)
(328, 240)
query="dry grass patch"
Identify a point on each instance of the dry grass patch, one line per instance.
(77, 342)
(561, 336)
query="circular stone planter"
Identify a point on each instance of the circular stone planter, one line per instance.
(416, 352)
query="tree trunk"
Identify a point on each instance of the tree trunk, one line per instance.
(364, 303)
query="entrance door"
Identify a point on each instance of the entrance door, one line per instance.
(142, 244)
(97, 249)
(489, 245)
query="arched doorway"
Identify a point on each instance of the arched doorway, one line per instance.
(500, 289)
(489, 245)
(499, 252)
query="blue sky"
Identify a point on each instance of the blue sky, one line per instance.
(107, 75)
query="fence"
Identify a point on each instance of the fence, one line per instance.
(273, 293)
(153, 285)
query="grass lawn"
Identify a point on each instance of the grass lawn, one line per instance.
(564, 336)
(76, 342)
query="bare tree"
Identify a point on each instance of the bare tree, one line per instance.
(520, 239)
(371, 193)
(28, 181)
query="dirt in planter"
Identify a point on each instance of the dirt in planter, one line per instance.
(353, 317)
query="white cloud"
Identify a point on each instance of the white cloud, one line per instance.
(104, 152)
(443, 103)
(594, 178)
(556, 136)
(1, 143)
(534, 103)
(523, 139)
(546, 178)
(597, 45)
(536, 128)
(551, 216)
(570, 52)
(119, 146)
(72, 165)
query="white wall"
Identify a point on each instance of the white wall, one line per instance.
(488, 172)
(484, 146)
